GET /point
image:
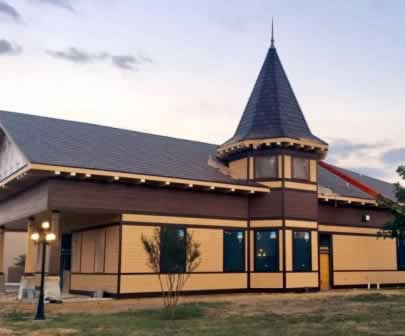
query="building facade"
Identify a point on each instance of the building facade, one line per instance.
(268, 212)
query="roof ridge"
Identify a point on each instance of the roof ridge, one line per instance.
(105, 126)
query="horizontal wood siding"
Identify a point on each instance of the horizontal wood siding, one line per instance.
(363, 253)
(134, 258)
(214, 222)
(28, 203)
(363, 278)
(351, 216)
(301, 204)
(211, 247)
(94, 282)
(302, 280)
(123, 198)
(149, 283)
(266, 280)
(267, 206)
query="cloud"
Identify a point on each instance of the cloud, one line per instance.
(394, 156)
(75, 55)
(64, 4)
(9, 48)
(9, 11)
(340, 149)
(79, 56)
(378, 173)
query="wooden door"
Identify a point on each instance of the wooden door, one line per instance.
(325, 271)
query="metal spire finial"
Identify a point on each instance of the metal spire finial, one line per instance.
(272, 33)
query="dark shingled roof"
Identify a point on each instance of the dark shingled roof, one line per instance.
(386, 189)
(337, 185)
(272, 110)
(75, 144)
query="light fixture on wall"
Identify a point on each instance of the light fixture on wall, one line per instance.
(366, 218)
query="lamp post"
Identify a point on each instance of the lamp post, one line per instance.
(43, 237)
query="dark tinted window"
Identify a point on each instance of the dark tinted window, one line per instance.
(301, 168)
(172, 250)
(302, 251)
(266, 251)
(266, 167)
(401, 254)
(234, 251)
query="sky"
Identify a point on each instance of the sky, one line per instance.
(186, 68)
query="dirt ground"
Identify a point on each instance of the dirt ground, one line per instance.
(284, 303)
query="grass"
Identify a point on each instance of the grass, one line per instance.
(365, 314)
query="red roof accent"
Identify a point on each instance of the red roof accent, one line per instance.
(351, 180)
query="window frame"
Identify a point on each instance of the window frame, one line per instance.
(243, 251)
(293, 168)
(276, 174)
(399, 268)
(277, 249)
(174, 227)
(294, 254)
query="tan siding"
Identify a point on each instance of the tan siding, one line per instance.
(301, 224)
(182, 220)
(302, 280)
(238, 169)
(211, 249)
(94, 282)
(287, 167)
(363, 278)
(88, 251)
(266, 280)
(150, 283)
(272, 184)
(112, 248)
(266, 223)
(100, 247)
(134, 258)
(363, 252)
(313, 165)
(251, 168)
(76, 251)
(288, 249)
(280, 166)
(347, 229)
(315, 249)
(300, 186)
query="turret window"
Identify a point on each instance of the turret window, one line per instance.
(300, 168)
(266, 167)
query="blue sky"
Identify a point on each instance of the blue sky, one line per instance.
(186, 68)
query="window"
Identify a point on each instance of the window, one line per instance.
(302, 251)
(401, 254)
(234, 251)
(301, 168)
(266, 251)
(266, 166)
(172, 250)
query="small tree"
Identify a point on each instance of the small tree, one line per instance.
(173, 258)
(396, 227)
